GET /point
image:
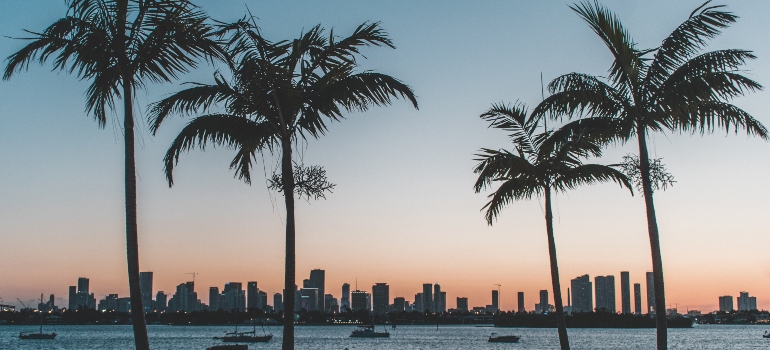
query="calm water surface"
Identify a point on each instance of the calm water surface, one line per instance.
(404, 337)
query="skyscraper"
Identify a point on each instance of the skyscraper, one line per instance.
(650, 293)
(746, 302)
(521, 302)
(214, 299)
(252, 295)
(462, 304)
(380, 298)
(437, 299)
(161, 301)
(638, 298)
(605, 293)
(418, 300)
(544, 301)
(145, 286)
(427, 297)
(726, 303)
(582, 294)
(262, 300)
(310, 299)
(318, 280)
(495, 300)
(73, 299)
(399, 304)
(277, 302)
(358, 300)
(345, 300)
(233, 297)
(625, 292)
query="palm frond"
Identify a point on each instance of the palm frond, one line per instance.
(509, 191)
(198, 98)
(357, 92)
(589, 174)
(513, 119)
(710, 115)
(495, 165)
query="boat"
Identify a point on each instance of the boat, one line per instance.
(766, 335)
(494, 338)
(246, 337)
(229, 347)
(368, 332)
(40, 334)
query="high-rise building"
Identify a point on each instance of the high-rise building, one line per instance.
(726, 303)
(73, 299)
(443, 301)
(625, 292)
(399, 304)
(605, 293)
(650, 292)
(544, 301)
(262, 300)
(418, 300)
(358, 300)
(233, 297)
(84, 298)
(310, 299)
(277, 302)
(495, 300)
(380, 298)
(582, 294)
(318, 280)
(161, 301)
(638, 298)
(214, 299)
(462, 304)
(427, 297)
(331, 304)
(252, 295)
(145, 286)
(83, 285)
(521, 307)
(437, 299)
(746, 302)
(345, 299)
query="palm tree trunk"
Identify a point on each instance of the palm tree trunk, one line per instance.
(132, 241)
(560, 323)
(652, 228)
(287, 177)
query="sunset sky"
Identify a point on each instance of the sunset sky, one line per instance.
(403, 211)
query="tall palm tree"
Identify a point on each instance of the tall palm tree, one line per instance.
(539, 165)
(678, 88)
(119, 45)
(279, 93)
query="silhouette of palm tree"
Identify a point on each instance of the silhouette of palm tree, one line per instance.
(678, 89)
(279, 93)
(539, 165)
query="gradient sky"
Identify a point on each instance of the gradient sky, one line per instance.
(404, 211)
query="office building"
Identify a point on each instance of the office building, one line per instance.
(145, 286)
(418, 300)
(437, 299)
(358, 300)
(161, 301)
(318, 280)
(73, 298)
(746, 302)
(252, 295)
(233, 297)
(380, 298)
(310, 299)
(462, 304)
(638, 298)
(605, 293)
(650, 292)
(83, 297)
(399, 304)
(427, 297)
(277, 302)
(521, 307)
(331, 304)
(726, 303)
(262, 300)
(214, 298)
(495, 300)
(443, 302)
(345, 300)
(544, 301)
(625, 292)
(582, 294)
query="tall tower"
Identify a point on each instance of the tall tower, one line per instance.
(380, 298)
(437, 302)
(214, 299)
(521, 302)
(650, 292)
(605, 293)
(277, 302)
(582, 294)
(145, 286)
(637, 298)
(625, 292)
(252, 295)
(427, 297)
(495, 300)
(544, 301)
(318, 280)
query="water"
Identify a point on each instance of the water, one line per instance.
(458, 337)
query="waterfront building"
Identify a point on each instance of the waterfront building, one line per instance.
(443, 302)
(161, 301)
(427, 297)
(214, 299)
(358, 300)
(625, 292)
(638, 298)
(277, 302)
(345, 300)
(726, 303)
(520, 298)
(544, 306)
(310, 299)
(650, 292)
(145, 286)
(495, 300)
(746, 302)
(318, 280)
(582, 294)
(399, 304)
(252, 295)
(437, 299)
(605, 293)
(262, 300)
(381, 298)
(84, 298)
(73, 298)
(418, 300)
(331, 304)
(462, 304)
(233, 297)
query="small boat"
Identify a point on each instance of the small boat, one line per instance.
(368, 332)
(244, 337)
(494, 338)
(40, 334)
(766, 335)
(229, 347)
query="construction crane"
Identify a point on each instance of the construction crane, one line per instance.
(22, 303)
(193, 275)
(498, 295)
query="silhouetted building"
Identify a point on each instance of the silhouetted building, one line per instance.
(443, 302)
(278, 302)
(462, 304)
(214, 298)
(233, 297)
(544, 301)
(418, 303)
(345, 299)
(625, 292)
(161, 301)
(380, 298)
(399, 304)
(521, 307)
(310, 299)
(582, 294)
(262, 300)
(359, 300)
(650, 292)
(427, 297)
(318, 280)
(437, 299)
(185, 299)
(252, 295)
(638, 298)
(495, 300)
(331, 303)
(746, 302)
(73, 298)
(726, 303)
(145, 286)
(605, 293)
(84, 298)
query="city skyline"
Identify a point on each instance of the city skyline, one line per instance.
(404, 177)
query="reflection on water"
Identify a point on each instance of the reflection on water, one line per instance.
(404, 337)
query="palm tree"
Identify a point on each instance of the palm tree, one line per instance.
(119, 45)
(678, 88)
(279, 93)
(540, 164)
